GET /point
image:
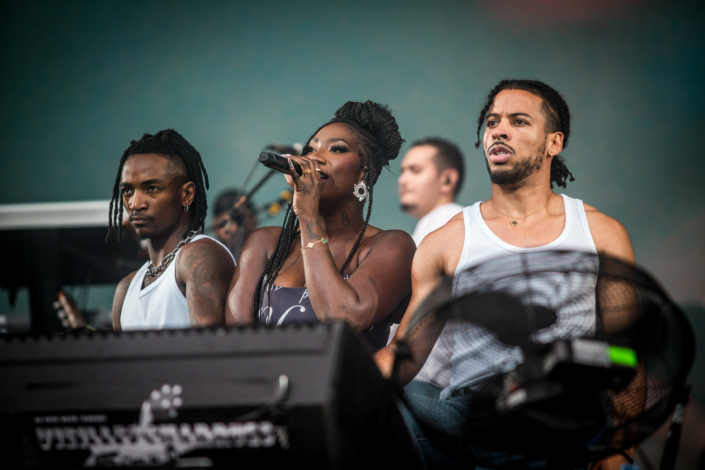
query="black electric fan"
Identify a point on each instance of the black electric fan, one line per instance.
(563, 356)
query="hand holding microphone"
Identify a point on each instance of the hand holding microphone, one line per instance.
(303, 176)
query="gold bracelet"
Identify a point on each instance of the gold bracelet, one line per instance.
(310, 244)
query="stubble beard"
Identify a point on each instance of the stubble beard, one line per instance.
(408, 208)
(520, 171)
(144, 235)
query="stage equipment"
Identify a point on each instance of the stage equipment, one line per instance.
(300, 396)
(558, 356)
(274, 207)
(50, 245)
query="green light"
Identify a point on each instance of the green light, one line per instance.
(623, 356)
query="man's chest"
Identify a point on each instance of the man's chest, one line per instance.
(529, 233)
(165, 275)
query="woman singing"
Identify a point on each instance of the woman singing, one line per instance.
(326, 262)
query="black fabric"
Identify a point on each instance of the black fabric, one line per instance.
(290, 305)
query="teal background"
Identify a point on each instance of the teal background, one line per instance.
(80, 79)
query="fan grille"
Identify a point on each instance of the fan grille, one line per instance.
(498, 318)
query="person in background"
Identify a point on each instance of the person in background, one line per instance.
(234, 218)
(431, 177)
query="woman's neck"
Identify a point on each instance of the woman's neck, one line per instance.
(343, 222)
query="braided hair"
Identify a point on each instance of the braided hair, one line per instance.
(380, 142)
(555, 110)
(181, 155)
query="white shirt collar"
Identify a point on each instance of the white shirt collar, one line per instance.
(434, 220)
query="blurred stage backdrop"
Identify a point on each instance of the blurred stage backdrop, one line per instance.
(80, 79)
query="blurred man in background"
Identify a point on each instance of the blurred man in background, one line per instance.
(431, 177)
(234, 218)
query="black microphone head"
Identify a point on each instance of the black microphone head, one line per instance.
(285, 149)
(266, 157)
(278, 162)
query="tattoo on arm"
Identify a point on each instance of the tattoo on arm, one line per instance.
(313, 234)
(208, 272)
(311, 227)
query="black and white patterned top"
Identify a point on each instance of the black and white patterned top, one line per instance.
(292, 305)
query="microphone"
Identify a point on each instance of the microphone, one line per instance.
(294, 149)
(277, 162)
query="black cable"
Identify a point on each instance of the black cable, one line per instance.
(249, 175)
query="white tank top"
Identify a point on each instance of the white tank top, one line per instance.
(473, 349)
(159, 305)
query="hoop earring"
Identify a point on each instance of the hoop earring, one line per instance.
(360, 191)
(185, 208)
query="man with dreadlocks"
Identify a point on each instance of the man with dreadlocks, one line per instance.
(326, 262)
(527, 126)
(160, 182)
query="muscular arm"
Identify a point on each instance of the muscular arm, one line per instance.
(610, 236)
(437, 256)
(250, 266)
(379, 283)
(619, 308)
(119, 299)
(618, 303)
(204, 270)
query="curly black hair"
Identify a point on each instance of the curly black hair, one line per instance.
(555, 110)
(380, 141)
(181, 154)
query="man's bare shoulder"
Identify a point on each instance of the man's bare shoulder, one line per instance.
(205, 248)
(119, 299)
(609, 235)
(602, 222)
(124, 284)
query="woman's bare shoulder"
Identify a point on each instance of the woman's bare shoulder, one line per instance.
(265, 235)
(395, 239)
(261, 241)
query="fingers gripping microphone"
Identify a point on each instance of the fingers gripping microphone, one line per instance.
(277, 162)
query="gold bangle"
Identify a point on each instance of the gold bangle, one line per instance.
(310, 244)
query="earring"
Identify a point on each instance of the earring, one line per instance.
(360, 191)
(185, 208)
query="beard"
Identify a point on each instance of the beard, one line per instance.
(408, 207)
(520, 171)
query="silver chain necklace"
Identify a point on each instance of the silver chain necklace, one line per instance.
(152, 271)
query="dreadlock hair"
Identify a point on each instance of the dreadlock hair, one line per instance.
(380, 142)
(181, 155)
(555, 110)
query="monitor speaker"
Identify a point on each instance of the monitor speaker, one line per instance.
(306, 395)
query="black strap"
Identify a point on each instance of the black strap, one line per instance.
(622, 453)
